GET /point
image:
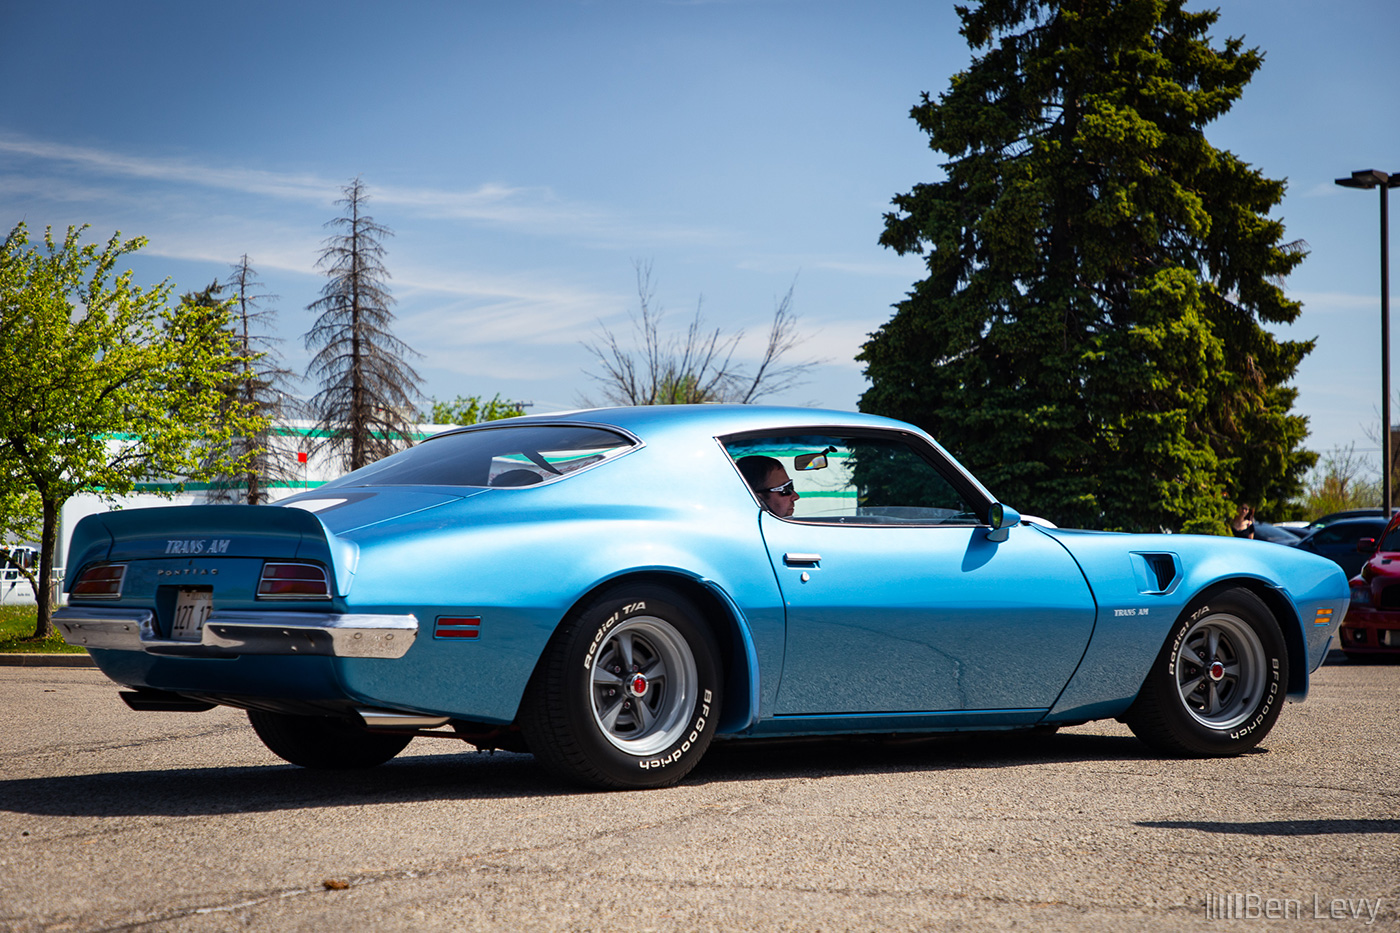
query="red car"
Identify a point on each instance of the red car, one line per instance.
(1371, 628)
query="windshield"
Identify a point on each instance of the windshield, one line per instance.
(508, 456)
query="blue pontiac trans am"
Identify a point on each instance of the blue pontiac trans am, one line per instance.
(612, 590)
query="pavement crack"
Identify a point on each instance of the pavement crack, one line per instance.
(63, 751)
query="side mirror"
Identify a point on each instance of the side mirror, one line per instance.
(1001, 518)
(1366, 545)
(804, 462)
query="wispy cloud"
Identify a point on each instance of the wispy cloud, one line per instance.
(533, 209)
(907, 268)
(1335, 301)
(248, 181)
(898, 267)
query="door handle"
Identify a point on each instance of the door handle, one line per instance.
(793, 558)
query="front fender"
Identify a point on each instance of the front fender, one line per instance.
(1308, 595)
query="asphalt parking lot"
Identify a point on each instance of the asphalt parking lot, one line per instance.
(116, 820)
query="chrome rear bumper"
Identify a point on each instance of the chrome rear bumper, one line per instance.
(233, 633)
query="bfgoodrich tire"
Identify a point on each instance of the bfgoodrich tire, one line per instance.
(1218, 683)
(628, 692)
(324, 743)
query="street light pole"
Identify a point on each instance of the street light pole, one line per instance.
(1370, 178)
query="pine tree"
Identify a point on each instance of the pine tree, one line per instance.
(368, 391)
(261, 389)
(1090, 336)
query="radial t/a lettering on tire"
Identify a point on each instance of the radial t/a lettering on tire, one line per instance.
(628, 692)
(1218, 683)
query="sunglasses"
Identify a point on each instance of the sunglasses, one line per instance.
(786, 489)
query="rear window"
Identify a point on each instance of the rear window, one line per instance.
(506, 456)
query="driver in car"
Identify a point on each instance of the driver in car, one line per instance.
(768, 479)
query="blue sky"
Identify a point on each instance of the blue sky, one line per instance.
(527, 154)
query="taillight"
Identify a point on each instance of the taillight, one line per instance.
(293, 581)
(101, 582)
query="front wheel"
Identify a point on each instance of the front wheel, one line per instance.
(627, 694)
(1218, 683)
(323, 742)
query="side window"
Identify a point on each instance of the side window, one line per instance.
(1337, 534)
(1392, 540)
(866, 479)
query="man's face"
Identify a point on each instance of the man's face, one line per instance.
(779, 503)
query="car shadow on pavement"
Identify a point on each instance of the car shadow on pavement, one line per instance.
(209, 791)
(506, 775)
(772, 759)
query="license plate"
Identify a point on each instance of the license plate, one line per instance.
(191, 609)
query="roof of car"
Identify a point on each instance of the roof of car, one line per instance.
(1355, 521)
(715, 420)
(1358, 520)
(682, 423)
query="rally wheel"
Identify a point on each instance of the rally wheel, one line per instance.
(1218, 683)
(627, 694)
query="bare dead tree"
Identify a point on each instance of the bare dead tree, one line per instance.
(368, 391)
(262, 391)
(697, 366)
(772, 375)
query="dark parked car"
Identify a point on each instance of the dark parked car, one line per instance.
(1333, 517)
(1372, 625)
(1263, 531)
(1338, 541)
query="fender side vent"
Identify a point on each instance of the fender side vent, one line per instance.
(1156, 573)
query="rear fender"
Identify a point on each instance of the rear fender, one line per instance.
(731, 629)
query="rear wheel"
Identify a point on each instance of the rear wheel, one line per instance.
(1218, 683)
(323, 742)
(628, 692)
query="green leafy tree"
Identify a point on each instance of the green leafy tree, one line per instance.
(1090, 337)
(368, 391)
(102, 383)
(471, 409)
(1342, 480)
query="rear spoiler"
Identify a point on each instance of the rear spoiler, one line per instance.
(195, 531)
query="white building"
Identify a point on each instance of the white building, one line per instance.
(301, 468)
